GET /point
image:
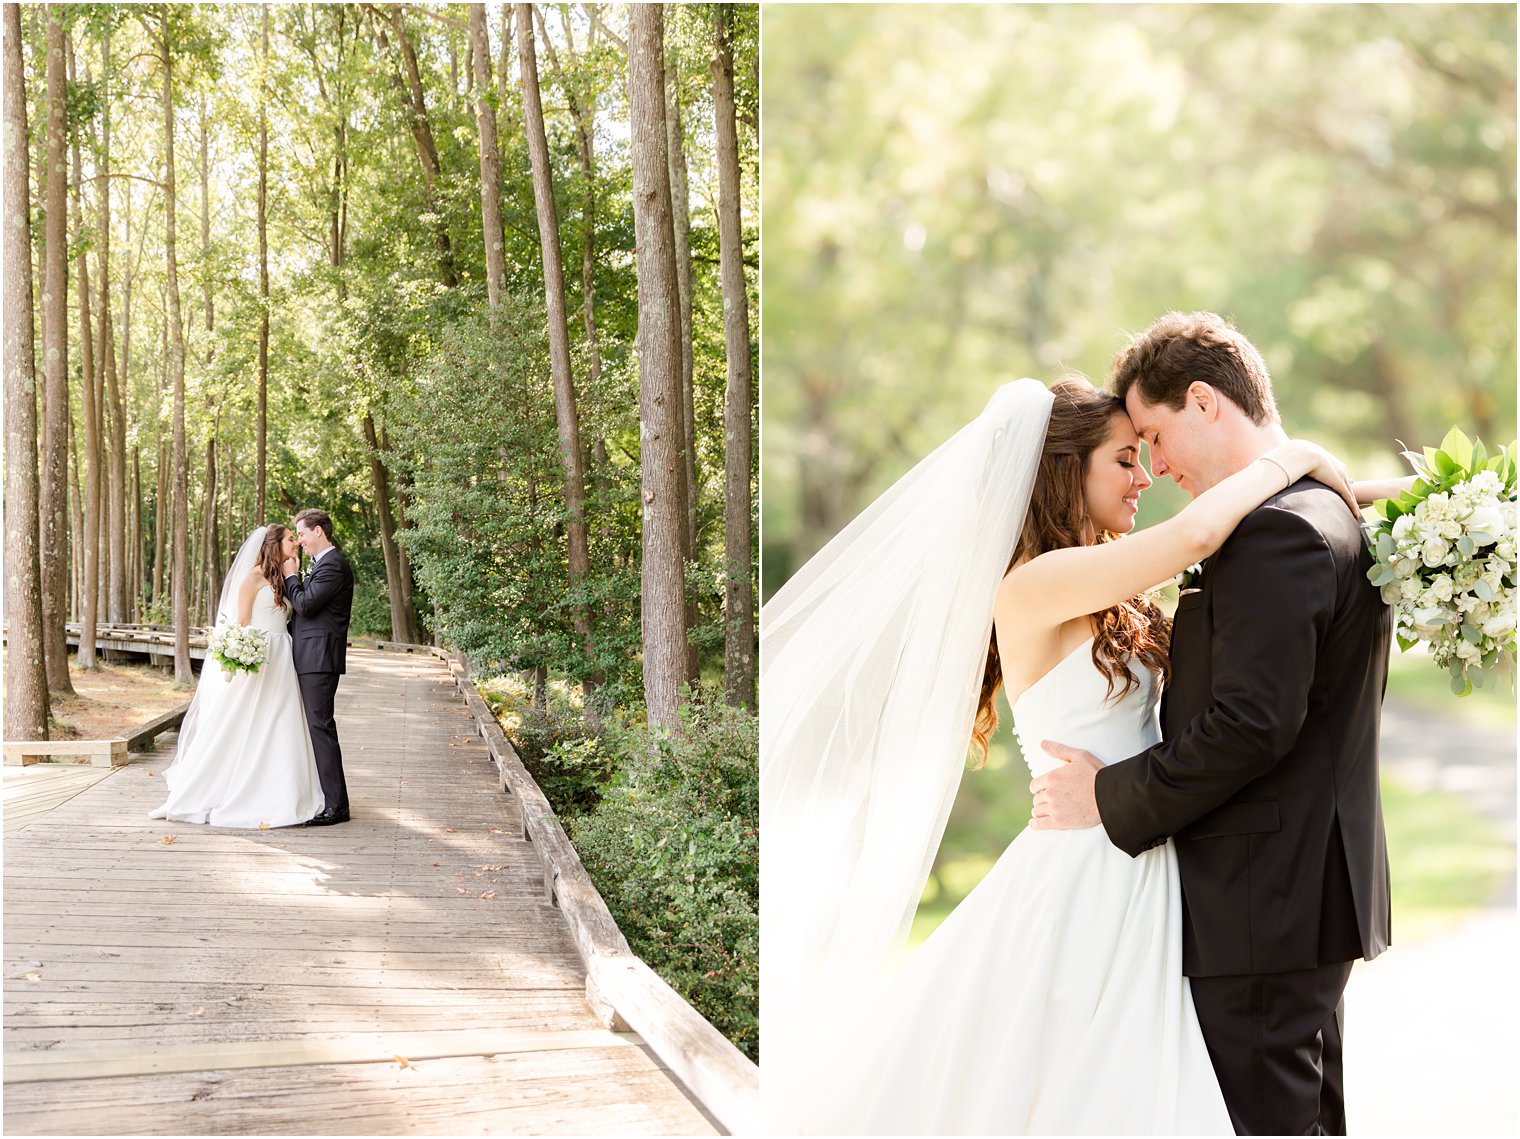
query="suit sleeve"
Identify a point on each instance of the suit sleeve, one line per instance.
(311, 596)
(1272, 595)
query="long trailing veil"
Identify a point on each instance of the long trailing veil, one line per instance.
(226, 610)
(871, 662)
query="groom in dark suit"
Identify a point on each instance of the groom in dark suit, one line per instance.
(1267, 776)
(319, 642)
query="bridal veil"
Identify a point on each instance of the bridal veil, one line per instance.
(871, 662)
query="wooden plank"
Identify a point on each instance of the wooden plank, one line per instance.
(141, 738)
(508, 1094)
(107, 753)
(351, 1048)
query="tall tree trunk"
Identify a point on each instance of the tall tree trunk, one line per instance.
(659, 349)
(26, 694)
(680, 214)
(490, 158)
(211, 539)
(116, 500)
(583, 111)
(209, 578)
(738, 394)
(566, 416)
(89, 535)
(180, 584)
(261, 415)
(415, 105)
(53, 493)
(161, 505)
(134, 528)
(681, 222)
(401, 629)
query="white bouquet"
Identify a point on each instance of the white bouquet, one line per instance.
(237, 648)
(1445, 559)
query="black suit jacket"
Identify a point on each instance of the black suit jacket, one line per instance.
(1267, 776)
(320, 611)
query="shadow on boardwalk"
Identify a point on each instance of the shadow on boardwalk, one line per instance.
(1433, 1028)
(397, 974)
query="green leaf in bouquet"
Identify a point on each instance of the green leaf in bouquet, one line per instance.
(1476, 676)
(1457, 448)
(1460, 685)
(1380, 575)
(1478, 538)
(1406, 643)
(1390, 509)
(1445, 465)
(1385, 545)
(1479, 456)
(1465, 544)
(1484, 591)
(1471, 633)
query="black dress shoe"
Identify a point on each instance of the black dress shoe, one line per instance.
(327, 818)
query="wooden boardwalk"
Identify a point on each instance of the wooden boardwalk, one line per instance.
(401, 973)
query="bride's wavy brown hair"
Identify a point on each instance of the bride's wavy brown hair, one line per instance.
(272, 559)
(1080, 420)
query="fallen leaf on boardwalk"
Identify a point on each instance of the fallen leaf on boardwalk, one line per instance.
(197, 1012)
(263, 826)
(403, 1061)
(496, 830)
(460, 890)
(150, 773)
(450, 830)
(167, 839)
(485, 894)
(437, 864)
(34, 976)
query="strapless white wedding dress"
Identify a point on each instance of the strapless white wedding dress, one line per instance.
(1052, 1000)
(245, 757)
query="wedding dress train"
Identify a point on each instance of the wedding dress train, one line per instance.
(1052, 1000)
(245, 757)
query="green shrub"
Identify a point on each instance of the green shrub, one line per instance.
(570, 765)
(667, 826)
(673, 847)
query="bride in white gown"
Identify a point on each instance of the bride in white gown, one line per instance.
(1052, 1000)
(244, 755)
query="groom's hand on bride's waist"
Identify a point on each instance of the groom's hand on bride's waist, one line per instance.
(1063, 797)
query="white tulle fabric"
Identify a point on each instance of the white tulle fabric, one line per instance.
(871, 660)
(244, 754)
(1052, 999)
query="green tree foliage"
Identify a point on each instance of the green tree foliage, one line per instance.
(957, 196)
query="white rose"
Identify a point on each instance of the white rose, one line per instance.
(1467, 651)
(1433, 553)
(1486, 522)
(1402, 525)
(1500, 623)
(1409, 589)
(1442, 588)
(1392, 593)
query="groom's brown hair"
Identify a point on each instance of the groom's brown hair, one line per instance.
(316, 519)
(1184, 347)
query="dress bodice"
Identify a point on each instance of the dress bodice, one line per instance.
(1070, 705)
(267, 615)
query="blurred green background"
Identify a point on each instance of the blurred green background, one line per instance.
(955, 196)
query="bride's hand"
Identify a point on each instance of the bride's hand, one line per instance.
(1319, 464)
